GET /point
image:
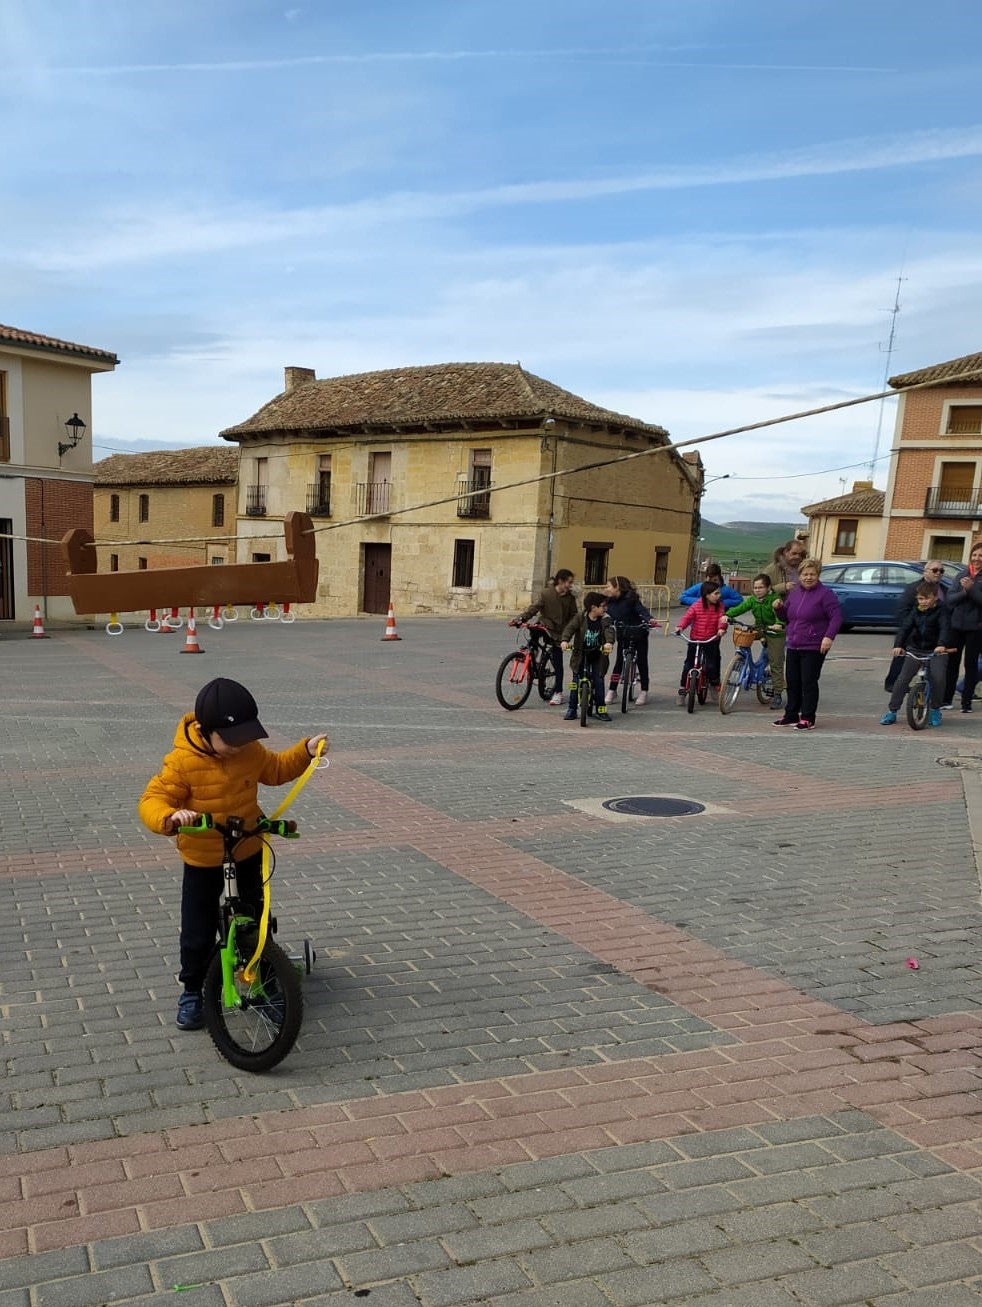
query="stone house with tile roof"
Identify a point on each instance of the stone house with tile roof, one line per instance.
(166, 495)
(461, 487)
(933, 505)
(847, 526)
(45, 472)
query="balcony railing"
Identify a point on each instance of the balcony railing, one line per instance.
(477, 503)
(318, 501)
(372, 497)
(949, 501)
(4, 440)
(255, 501)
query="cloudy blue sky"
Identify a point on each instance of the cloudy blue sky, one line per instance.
(692, 211)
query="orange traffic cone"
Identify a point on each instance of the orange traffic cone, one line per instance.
(165, 626)
(390, 627)
(191, 642)
(38, 633)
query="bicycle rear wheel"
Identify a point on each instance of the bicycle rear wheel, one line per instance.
(732, 684)
(548, 681)
(765, 690)
(703, 688)
(629, 690)
(258, 1035)
(513, 683)
(586, 694)
(918, 706)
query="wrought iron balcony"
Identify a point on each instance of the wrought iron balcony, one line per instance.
(319, 500)
(949, 501)
(372, 497)
(477, 503)
(255, 501)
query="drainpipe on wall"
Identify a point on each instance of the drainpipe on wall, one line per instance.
(549, 429)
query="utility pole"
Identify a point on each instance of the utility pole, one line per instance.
(886, 373)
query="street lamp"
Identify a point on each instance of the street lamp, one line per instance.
(74, 430)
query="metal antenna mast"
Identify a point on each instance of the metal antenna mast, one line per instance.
(886, 373)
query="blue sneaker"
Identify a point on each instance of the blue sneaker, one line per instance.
(190, 1012)
(888, 718)
(570, 715)
(936, 718)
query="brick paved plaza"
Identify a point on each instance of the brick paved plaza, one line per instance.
(548, 1057)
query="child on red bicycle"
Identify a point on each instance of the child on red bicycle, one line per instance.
(707, 618)
(216, 766)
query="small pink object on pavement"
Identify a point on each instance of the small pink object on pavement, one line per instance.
(912, 964)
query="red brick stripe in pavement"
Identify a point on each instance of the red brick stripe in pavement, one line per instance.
(793, 1057)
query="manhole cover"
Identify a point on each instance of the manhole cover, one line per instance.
(645, 806)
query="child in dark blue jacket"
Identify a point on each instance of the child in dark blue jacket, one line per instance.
(625, 609)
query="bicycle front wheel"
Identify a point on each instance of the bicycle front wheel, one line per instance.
(918, 706)
(690, 691)
(513, 684)
(586, 695)
(628, 684)
(260, 1033)
(732, 684)
(703, 690)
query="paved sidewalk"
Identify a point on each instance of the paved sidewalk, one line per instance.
(548, 1056)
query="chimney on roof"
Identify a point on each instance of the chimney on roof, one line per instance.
(297, 377)
(861, 485)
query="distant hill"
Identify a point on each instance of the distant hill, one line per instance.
(746, 544)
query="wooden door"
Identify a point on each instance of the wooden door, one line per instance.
(957, 483)
(377, 579)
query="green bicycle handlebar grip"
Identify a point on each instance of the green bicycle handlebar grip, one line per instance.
(203, 824)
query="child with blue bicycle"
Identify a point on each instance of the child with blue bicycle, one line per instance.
(925, 630)
(590, 634)
(767, 622)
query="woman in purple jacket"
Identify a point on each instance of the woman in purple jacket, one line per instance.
(814, 618)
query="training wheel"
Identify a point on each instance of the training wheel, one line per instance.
(309, 956)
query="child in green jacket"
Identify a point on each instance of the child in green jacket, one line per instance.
(770, 627)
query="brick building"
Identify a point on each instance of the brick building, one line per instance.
(934, 494)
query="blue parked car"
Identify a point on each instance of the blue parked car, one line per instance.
(868, 593)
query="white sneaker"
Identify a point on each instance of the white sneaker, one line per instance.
(642, 698)
(610, 696)
(556, 700)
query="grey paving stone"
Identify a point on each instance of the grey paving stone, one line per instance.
(398, 1259)
(131, 1248)
(586, 1257)
(469, 1284)
(940, 1264)
(855, 1243)
(95, 1289)
(403, 1227)
(670, 1280)
(859, 1282)
(286, 1284)
(38, 1268)
(681, 1239)
(256, 1225)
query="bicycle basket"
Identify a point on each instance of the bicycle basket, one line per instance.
(744, 636)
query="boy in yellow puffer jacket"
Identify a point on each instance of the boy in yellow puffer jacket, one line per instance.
(215, 766)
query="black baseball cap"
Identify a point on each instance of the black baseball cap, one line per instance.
(227, 707)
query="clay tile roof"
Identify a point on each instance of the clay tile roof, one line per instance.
(205, 465)
(439, 395)
(864, 503)
(970, 364)
(50, 344)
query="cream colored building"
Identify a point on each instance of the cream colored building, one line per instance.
(166, 496)
(45, 465)
(460, 488)
(848, 526)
